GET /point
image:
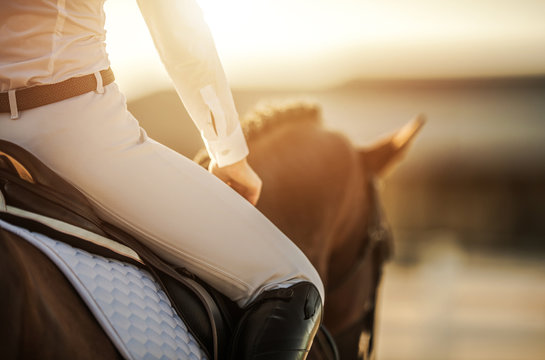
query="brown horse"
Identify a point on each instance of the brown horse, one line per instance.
(319, 190)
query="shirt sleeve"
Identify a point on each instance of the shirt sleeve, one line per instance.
(186, 47)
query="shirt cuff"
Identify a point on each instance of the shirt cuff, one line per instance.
(228, 150)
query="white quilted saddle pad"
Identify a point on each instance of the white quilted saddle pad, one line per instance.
(128, 303)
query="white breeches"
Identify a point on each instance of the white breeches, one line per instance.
(188, 216)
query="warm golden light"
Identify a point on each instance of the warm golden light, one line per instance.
(301, 43)
(466, 280)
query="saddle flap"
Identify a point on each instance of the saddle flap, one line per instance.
(44, 202)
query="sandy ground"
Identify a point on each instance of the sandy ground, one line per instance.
(454, 304)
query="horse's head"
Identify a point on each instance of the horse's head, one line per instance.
(373, 163)
(317, 185)
(319, 190)
(356, 259)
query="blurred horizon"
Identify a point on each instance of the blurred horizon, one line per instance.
(303, 44)
(477, 170)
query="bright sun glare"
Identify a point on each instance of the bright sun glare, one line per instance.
(294, 43)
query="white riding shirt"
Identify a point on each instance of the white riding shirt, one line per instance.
(49, 41)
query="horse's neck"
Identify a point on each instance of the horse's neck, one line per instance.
(346, 256)
(350, 239)
(312, 186)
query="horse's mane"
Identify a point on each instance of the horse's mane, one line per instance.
(267, 116)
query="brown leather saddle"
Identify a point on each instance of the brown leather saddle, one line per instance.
(27, 184)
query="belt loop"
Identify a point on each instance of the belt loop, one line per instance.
(13, 104)
(3, 207)
(100, 86)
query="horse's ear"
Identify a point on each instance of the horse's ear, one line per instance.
(380, 156)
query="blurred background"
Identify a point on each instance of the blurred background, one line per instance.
(467, 204)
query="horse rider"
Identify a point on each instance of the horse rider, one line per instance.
(58, 100)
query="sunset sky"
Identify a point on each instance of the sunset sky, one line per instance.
(319, 43)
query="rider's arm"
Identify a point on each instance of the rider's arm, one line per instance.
(187, 50)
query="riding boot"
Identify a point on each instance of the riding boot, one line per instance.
(280, 324)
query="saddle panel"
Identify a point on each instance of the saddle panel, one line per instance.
(26, 183)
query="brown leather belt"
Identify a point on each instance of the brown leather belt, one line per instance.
(32, 97)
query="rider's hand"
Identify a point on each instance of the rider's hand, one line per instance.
(241, 177)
